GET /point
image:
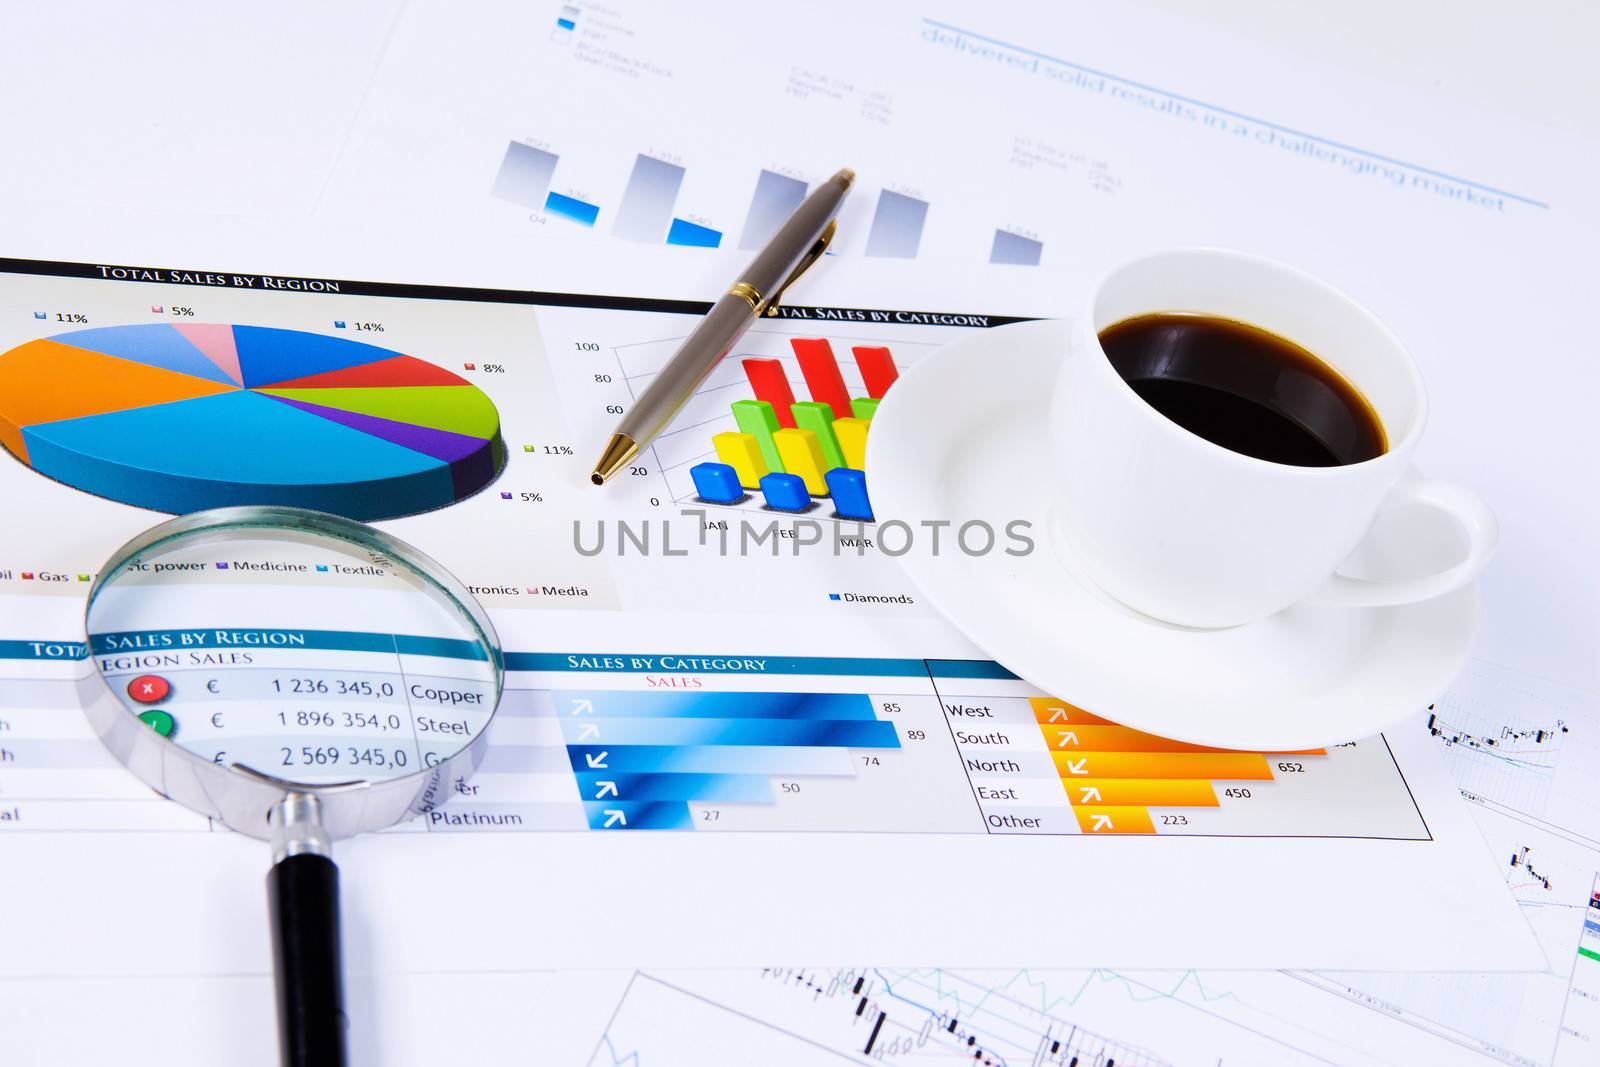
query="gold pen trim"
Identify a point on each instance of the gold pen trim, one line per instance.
(813, 254)
(748, 293)
(619, 451)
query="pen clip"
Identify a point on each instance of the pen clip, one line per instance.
(813, 254)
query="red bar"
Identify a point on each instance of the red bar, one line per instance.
(877, 369)
(772, 385)
(822, 374)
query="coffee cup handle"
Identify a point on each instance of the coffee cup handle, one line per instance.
(1472, 516)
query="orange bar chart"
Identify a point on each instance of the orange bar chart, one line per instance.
(1143, 792)
(1051, 710)
(1114, 820)
(1230, 766)
(1113, 775)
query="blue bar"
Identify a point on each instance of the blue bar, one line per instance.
(66, 651)
(565, 24)
(967, 668)
(597, 786)
(604, 815)
(661, 730)
(693, 235)
(716, 483)
(786, 492)
(1015, 249)
(252, 639)
(710, 759)
(775, 199)
(568, 207)
(896, 226)
(849, 490)
(657, 663)
(647, 201)
(524, 175)
(680, 705)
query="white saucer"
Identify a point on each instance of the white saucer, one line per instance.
(963, 436)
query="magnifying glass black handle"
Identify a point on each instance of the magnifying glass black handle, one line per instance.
(303, 893)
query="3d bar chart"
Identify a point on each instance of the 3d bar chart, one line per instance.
(641, 758)
(792, 454)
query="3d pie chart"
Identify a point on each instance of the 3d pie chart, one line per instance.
(180, 417)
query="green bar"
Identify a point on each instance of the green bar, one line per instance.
(1591, 953)
(756, 418)
(863, 408)
(818, 418)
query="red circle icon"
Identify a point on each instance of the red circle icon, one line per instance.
(149, 689)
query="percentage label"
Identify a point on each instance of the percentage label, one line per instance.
(533, 498)
(369, 327)
(71, 316)
(183, 313)
(558, 450)
(493, 368)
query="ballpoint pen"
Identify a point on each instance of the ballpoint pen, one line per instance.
(798, 243)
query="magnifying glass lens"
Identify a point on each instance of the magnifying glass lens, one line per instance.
(294, 654)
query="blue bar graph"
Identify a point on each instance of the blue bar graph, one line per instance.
(568, 207)
(693, 235)
(524, 175)
(719, 788)
(656, 730)
(1015, 249)
(776, 197)
(849, 490)
(710, 759)
(602, 704)
(896, 229)
(606, 815)
(642, 757)
(647, 202)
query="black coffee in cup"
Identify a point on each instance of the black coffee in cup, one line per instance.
(1244, 388)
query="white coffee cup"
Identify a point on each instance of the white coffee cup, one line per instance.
(1192, 533)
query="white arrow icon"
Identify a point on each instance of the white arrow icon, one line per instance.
(1078, 766)
(596, 762)
(605, 789)
(614, 818)
(588, 730)
(1058, 714)
(1090, 792)
(1066, 735)
(1100, 822)
(583, 707)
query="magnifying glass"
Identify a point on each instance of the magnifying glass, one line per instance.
(300, 678)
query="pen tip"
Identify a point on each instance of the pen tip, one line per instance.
(619, 450)
(846, 175)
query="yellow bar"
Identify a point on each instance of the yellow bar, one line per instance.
(742, 452)
(1095, 738)
(1056, 710)
(1216, 766)
(802, 455)
(852, 435)
(1144, 792)
(1114, 820)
